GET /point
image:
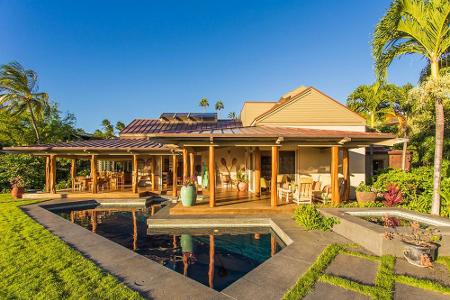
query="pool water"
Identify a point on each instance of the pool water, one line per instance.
(215, 257)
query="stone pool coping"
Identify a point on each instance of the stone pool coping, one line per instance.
(270, 280)
(371, 236)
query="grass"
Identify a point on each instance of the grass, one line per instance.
(385, 279)
(35, 264)
(305, 284)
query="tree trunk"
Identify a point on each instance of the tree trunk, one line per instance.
(405, 147)
(439, 147)
(33, 122)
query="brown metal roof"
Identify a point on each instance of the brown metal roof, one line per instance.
(155, 126)
(274, 132)
(96, 145)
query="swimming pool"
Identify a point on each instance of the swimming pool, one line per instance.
(215, 257)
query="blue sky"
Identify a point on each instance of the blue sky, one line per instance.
(127, 59)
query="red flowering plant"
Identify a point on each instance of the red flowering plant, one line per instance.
(392, 196)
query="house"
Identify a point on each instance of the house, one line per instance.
(304, 133)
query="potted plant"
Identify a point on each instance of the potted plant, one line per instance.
(188, 193)
(242, 180)
(420, 245)
(17, 187)
(365, 193)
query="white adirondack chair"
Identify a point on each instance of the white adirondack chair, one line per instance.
(304, 194)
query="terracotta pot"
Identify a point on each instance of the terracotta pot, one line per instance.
(242, 186)
(364, 197)
(413, 253)
(17, 192)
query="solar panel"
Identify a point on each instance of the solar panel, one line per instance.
(189, 117)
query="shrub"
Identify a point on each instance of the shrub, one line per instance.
(416, 187)
(310, 218)
(63, 184)
(362, 187)
(29, 168)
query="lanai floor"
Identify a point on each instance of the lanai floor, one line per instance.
(230, 201)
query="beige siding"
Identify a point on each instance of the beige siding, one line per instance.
(312, 108)
(251, 110)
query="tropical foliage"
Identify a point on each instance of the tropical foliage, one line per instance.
(18, 93)
(204, 103)
(309, 217)
(417, 27)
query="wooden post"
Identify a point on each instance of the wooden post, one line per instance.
(273, 182)
(73, 173)
(153, 173)
(94, 173)
(135, 174)
(47, 174)
(346, 173)
(211, 261)
(174, 175)
(335, 197)
(191, 164)
(52, 174)
(257, 154)
(185, 163)
(212, 177)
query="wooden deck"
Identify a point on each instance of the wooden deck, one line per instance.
(118, 194)
(234, 202)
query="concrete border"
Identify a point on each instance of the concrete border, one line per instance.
(372, 236)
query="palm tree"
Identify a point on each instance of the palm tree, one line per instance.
(417, 27)
(18, 93)
(120, 126)
(370, 101)
(232, 115)
(204, 103)
(219, 105)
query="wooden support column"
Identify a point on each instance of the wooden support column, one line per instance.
(185, 163)
(346, 173)
(73, 172)
(47, 174)
(191, 164)
(211, 261)
(335, 197)
(153, 173)
(174, 175)
(135, 174)
(212, 177)
(94, 173)
(94, 221)
(273, 181)
(52, 174)
(257, 155)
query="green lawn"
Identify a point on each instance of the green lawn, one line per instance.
(34, 264)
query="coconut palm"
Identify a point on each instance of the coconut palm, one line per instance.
(417, 27)
(18, 93)
(232, 115)
(219, 105)
(204, 103)
(370, 101)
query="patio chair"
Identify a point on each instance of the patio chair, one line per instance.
(78, 183)
(226, 181)
(303, 194)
